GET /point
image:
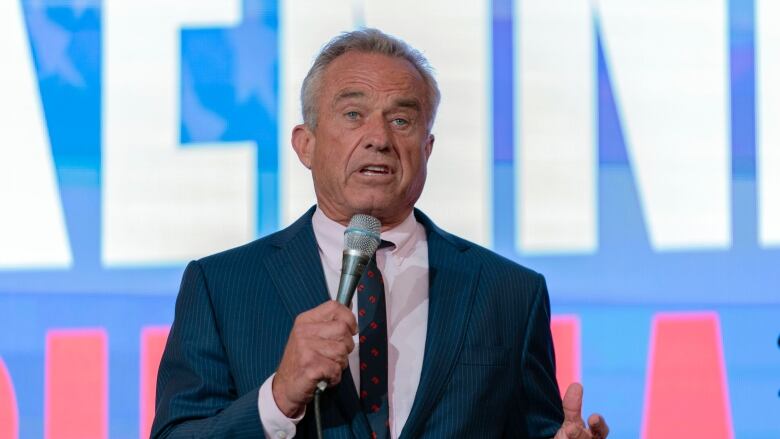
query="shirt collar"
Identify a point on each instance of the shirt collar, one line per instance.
(330, 236)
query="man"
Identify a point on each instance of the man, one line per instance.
(453, 340)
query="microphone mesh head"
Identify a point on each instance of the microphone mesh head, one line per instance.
(362, 234)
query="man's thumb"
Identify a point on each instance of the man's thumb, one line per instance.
(572, 403)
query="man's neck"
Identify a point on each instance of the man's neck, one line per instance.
(344, 220)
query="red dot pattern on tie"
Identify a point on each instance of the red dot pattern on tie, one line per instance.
(372, 321)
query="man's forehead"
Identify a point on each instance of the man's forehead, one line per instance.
(372, 70)
(349, 93)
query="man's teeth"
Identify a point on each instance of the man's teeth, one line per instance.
(375, 170)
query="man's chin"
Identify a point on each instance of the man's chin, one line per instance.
(389, 216)
(377, 210)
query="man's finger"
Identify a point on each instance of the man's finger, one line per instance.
(323, 312)
(572, 404)
(334, 351)
(329, 311)
(333, 330)
(598, 426)
(575, 431)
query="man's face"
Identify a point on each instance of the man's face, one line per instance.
(369, 150)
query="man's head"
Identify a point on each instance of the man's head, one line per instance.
(366, 41)
(368, 105)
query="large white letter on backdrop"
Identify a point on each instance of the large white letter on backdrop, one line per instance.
(454, 36)
(670, 77)
(163, 203)
(32, 228)
(768, 121)
(668, 60)
(555, 147)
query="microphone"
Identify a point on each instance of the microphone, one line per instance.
(361, 239)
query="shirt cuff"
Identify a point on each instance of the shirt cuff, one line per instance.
(276, 425)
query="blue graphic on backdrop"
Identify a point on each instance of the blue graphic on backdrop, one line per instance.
(625, 269)
(230, 91)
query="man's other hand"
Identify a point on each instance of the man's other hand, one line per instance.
(316, 350)
(573, 426)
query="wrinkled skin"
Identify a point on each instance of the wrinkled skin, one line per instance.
(372, 111)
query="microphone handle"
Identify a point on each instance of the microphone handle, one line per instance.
(353, 263)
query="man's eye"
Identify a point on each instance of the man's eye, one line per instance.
(399, 122)
(352, 115)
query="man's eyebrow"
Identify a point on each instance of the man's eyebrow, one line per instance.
(408, 103)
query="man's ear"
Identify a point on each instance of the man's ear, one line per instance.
(429, 146)
(303, 144)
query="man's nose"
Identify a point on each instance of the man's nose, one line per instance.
(377, 133)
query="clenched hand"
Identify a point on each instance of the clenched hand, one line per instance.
(316, 350)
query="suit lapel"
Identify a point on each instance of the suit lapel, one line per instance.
(296, 268)
(296, 271)
(452, 282)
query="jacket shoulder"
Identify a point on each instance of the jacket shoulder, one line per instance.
(492, 263)
(262, 247)
(499, 267)
(254, 249)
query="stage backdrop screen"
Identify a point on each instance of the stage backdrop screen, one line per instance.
(629, 150)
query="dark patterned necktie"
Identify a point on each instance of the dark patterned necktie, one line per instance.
(372, 321)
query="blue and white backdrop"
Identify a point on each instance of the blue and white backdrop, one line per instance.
(627, 149)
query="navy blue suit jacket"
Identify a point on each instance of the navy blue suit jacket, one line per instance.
(488, 368)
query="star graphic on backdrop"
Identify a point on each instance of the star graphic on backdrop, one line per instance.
(201, 123)
(79, 6)
(254, 52)
(51, 43)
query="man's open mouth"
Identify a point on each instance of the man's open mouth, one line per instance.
(375, 170)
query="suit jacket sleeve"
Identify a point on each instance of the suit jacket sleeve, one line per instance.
(541, 401)
(196, 394)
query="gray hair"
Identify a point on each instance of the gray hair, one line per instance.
(368, 41)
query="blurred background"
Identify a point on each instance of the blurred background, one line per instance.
(629, 150)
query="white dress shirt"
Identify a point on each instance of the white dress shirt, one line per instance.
(404, 268)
